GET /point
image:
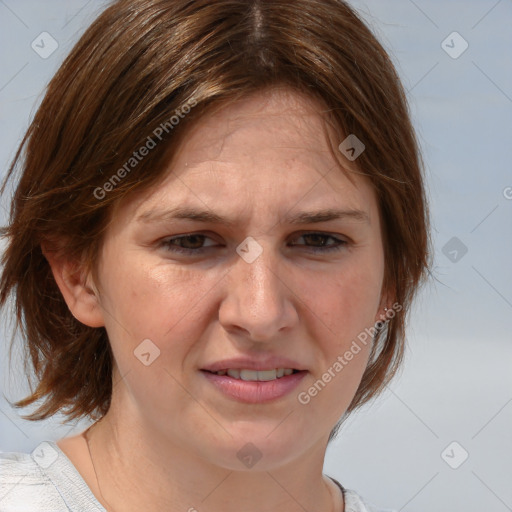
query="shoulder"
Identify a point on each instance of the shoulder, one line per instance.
(43, 480)
(355, 503)
(25, 486)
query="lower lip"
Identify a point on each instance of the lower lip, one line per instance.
(255, 392)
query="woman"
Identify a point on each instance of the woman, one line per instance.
(217, 234)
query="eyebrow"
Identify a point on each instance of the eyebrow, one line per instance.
(307, 217)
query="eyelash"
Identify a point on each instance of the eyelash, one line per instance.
(168, 243)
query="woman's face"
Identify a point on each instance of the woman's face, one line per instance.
(255, 253)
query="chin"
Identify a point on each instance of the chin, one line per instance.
(253, 447)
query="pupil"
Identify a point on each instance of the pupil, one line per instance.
(318, 239)
(189, 241)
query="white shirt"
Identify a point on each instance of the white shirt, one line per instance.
(47, 481)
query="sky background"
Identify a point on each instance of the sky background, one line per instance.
(456, 385)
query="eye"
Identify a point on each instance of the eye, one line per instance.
(193, 243)
(322, 242)
(197, 243)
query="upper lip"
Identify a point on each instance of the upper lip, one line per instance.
(253, 363)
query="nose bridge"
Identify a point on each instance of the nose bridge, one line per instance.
(261, 278)
(257, 300)
(261, 288)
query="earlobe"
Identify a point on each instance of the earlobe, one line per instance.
(386, 305)
(381, 314)
(77, 289)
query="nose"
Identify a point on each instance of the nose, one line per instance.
(258, 302)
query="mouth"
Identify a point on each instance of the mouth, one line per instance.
(255, 375)
(254, 386)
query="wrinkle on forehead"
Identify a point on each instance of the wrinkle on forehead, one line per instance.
(278, 129)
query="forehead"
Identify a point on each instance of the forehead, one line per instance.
(269, 150)
(270, 120)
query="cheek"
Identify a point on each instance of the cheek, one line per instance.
(343, 306)
(344, 302)
(161, 302)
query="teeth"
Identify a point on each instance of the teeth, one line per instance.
(256, 375)
(249, 374)
(234, 373)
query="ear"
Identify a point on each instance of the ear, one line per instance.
(77, 288)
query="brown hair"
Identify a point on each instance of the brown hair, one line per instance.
(135, 70)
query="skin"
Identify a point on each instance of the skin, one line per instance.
(170, 439)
